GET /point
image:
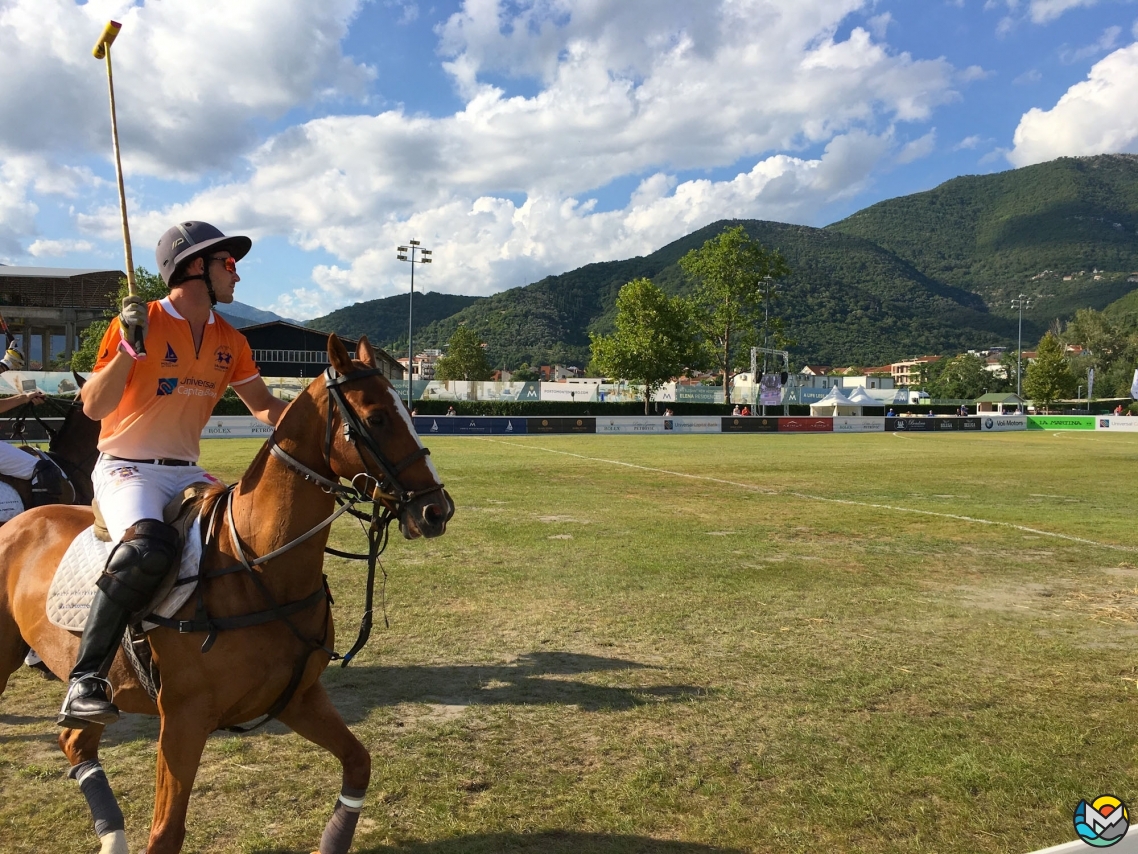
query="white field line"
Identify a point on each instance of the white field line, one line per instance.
(806, 497)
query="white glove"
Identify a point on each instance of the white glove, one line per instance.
(133, 316)
(13, 360)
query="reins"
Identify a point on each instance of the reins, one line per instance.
(370, 489)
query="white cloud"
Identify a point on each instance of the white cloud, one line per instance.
(1095, 116)
(17, 211)
(177, 66)
(969, 142)
(1106, 42)
(918, 148)
(1032, 75)
(1042, 11)
(54, 248)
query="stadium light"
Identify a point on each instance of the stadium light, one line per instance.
(1021, 302)
(424, 258)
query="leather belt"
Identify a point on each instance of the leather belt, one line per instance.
(158, 462)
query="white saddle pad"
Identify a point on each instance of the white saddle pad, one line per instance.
(11, 505)
(73, 587)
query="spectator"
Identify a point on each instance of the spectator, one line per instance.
(746, 411)
(450, 411)
(932, 414)
(668, 412)
(736, 410)
(890, 414)
(1118, 409)
(414, 410)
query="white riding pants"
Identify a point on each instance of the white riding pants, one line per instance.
(127, 491)
(16, 463)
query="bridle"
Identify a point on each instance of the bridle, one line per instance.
(374, 483)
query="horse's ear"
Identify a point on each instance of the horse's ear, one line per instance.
(79, 379)
(365, 353)
(338, 355)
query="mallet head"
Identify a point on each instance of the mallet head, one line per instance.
(105, 40)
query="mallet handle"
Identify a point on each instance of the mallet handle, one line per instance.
(131, 284)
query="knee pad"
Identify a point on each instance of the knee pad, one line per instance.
(139, 563)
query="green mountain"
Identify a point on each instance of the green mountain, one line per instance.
(931, 272)
(384, 321)
(996, 235)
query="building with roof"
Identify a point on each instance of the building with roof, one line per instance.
(48, 307)
(283, 349)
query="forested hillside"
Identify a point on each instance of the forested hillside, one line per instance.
(992, 234)
(929, 273)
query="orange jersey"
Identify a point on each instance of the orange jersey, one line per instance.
(171, 394)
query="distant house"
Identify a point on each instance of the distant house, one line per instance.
(1132, 279)
(906, 372)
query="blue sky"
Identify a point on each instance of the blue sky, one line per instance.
(519, 138)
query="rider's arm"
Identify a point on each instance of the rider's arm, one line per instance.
(256, 395)
(19, 399)
(104, 390)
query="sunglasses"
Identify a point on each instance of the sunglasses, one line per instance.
(229, 262)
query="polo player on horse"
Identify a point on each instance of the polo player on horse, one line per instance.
(153, 410)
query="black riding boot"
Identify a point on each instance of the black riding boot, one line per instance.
(47, 484)
(132, 576)
(88, 701)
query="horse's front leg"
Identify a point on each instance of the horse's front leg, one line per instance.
(185, 727)
(81, 746)
(313, 716)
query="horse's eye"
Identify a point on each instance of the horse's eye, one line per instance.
(375, 420)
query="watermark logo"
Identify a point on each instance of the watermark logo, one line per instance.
(1102, 822)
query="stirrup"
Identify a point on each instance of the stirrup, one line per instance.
(99, 710)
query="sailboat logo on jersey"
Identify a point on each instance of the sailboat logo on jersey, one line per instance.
(171, 358)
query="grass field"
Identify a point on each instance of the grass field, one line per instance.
(691, 644)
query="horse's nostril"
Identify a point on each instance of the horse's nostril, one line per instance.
(431, 514)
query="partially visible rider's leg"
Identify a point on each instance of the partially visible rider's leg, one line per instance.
(132, 576)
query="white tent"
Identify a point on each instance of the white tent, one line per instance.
(835, 403)
(861, 397)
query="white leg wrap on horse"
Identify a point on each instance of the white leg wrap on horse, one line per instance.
(341, 827)
(100, 799)
(114, 843)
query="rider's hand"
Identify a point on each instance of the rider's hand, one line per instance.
(35, 397)
(13, 360)
(133, 316)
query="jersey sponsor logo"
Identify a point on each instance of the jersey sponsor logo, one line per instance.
(167, 385)
(222, 358)
(194, 387)
(171, 358)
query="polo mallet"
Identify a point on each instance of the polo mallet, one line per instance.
(102, 50)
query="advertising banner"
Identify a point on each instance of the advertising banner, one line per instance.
(236, 427)
(49, 382)
(770, 390)
(469, 426)
(434, 424)
(698, 394)
(1003, 423)
(857, 424)
(805, 424)
(1060, 422)
(573, 392)
(739, 424)
(696, 424)
(1123, 424)
(910, 425)
(561, 425)
(630, 424)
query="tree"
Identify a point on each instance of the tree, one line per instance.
(1049, 377)
(150, 287)
(465, 358)
(730, 272)
(653, 340)
(964, 377)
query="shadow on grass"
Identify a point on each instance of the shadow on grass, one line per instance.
(550, 842)
(538, 678)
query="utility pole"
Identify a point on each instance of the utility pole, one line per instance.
(424, 258)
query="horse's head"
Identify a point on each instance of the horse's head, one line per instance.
(372, 442)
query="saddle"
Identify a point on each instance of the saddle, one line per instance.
(73, 586)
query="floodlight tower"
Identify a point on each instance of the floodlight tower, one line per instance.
(1021, 302)
(424, 258)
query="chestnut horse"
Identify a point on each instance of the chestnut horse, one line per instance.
(349, 424)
